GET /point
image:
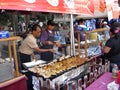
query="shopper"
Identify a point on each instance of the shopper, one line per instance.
(47, 41)
(111, 49)
(105, 25)
(117, 25)
(80, 27)
(29, 44)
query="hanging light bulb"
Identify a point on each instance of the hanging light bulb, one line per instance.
(2, 11)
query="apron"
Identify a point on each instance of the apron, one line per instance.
(48, 56)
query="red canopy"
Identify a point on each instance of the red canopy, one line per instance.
(57, 6)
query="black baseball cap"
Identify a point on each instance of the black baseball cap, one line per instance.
(51, 22)
(116, 24)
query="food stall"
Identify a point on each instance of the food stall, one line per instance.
(70, 68)
(67, 67)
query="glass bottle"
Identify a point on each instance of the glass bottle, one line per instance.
(115, 71)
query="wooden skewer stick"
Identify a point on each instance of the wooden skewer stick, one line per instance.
(85, 45)
(79, 44)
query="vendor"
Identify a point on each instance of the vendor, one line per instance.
(29, 44)
(81, 28)
(117, 25)
(47, 40)
(111, 49)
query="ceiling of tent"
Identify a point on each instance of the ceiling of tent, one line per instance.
(56, 6)
(97, 14)
(100, 10)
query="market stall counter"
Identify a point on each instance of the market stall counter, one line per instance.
(102, 82)
(18, 83)
(60, 71)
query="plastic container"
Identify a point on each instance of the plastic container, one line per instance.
(4, 34)
(93, 36)
(115, 71)
(57, 38)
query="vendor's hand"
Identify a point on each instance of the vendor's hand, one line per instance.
(50, 43)
(35, 59)
(76, 40)
(51, 50)
(58, 44)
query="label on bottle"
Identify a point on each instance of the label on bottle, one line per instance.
(114, 72)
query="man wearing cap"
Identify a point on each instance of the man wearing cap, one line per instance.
(80, 27)
(47, 41)
(117, 24)
(105, 25)
(29, 45)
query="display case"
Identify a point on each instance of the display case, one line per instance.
(7, 67)
(94, 40)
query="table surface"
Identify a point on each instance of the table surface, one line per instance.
(102, 82)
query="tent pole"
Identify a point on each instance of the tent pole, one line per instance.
(15, 22)
(72, 36)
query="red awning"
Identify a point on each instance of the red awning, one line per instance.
(57, 6)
